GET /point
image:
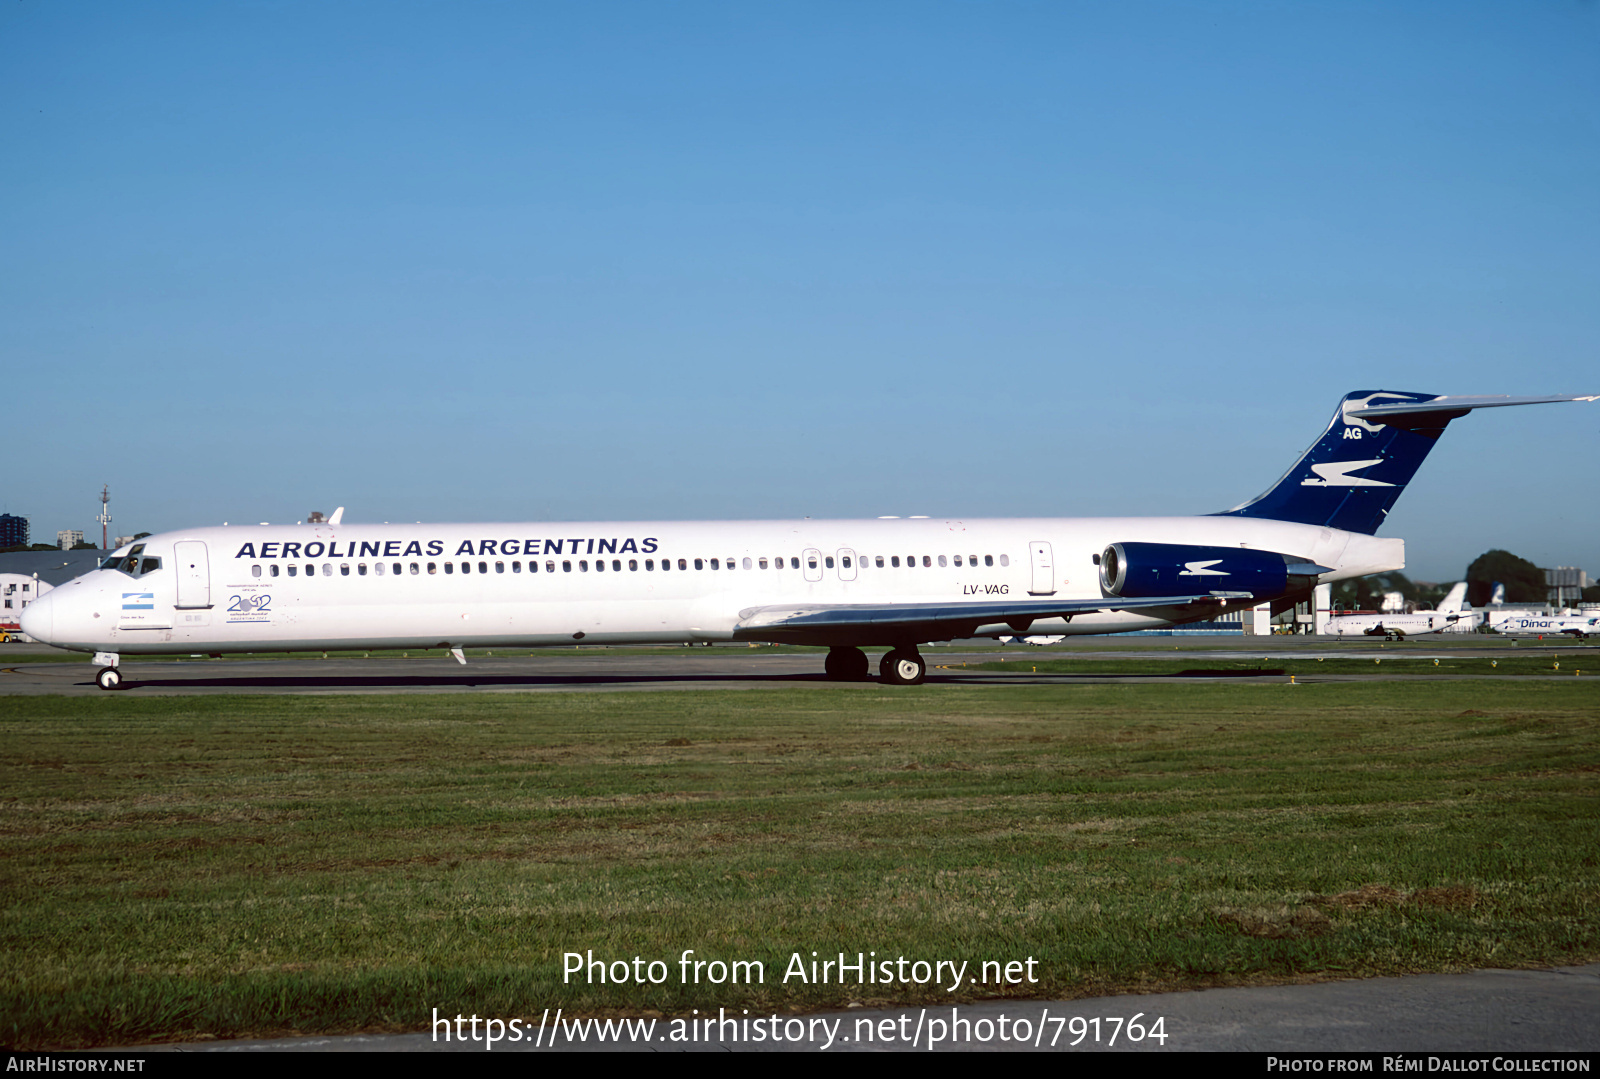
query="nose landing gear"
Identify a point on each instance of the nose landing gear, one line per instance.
(109, 678)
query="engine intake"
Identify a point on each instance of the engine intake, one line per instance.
(1143, 570)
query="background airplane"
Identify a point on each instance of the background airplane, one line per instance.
(1454, 615)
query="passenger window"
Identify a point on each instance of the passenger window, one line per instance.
(827, 561)
(988, 559)
(466, 567)
(894, 561)
(616, 565)
(255, 571)
(599, 565)
(650, 565)
(483, 567)
(958, 561)
(397, 569)
(274, 572)
(566, 566)
(794, 563)
(713, 564)
(344, 569)
(683, 563)
(972, 560)
(845, 562)
(927, 562)
(361, 569)
(762, 563)
(516, 567)
(1005, 560)
(293, 569)
(433, 567)
(747, 564)
(633, 565)
(415, 569)
(698, 564)
(583, 565)
(499, 567)
(550, 566)
(450, 567)
(811, 563)
(941, 561)
(878, 561)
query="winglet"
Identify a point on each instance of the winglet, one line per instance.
(338, 515)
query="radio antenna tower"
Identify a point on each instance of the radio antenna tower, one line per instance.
(105, 515)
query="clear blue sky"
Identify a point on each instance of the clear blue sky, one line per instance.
(512, 261)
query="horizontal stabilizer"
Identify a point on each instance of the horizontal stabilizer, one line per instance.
(1459, 404)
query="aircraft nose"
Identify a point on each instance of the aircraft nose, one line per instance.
(38, 619)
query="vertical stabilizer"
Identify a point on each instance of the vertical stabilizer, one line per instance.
(1351, 476)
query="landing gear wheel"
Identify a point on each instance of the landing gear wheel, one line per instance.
(847, 665)
(109, 678)
(903, 667)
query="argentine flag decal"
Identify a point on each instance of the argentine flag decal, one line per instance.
(138, 601)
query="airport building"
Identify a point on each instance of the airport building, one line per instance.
(1566, 584)
(68, 538)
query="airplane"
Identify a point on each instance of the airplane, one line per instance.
(895, 583)
(1454, 615)
(1574, 624)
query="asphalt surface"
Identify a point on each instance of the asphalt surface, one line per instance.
(599, 669)
(1487, 1011)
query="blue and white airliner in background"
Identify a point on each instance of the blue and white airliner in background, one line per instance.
(895, 583)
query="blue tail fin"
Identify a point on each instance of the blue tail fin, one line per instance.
(1352, 475)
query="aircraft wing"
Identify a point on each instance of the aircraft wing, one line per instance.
(869, 623)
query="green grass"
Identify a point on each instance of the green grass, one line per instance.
(219, 866)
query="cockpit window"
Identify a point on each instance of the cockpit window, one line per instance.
(132, 564)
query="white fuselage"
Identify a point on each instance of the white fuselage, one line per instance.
(1409, 625)
(264, 588)
(1525, 624)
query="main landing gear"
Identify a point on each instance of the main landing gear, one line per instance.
(901, 667)
(846, 665)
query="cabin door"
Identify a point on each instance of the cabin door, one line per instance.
(194, 573)
(1044, 569)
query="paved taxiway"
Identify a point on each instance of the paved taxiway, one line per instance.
(602, 669)
(1486, 1011)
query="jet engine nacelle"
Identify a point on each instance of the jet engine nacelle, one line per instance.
(1140, 570)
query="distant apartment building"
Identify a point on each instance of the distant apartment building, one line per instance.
(13, 531)
(68, 538)
(17, 590)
